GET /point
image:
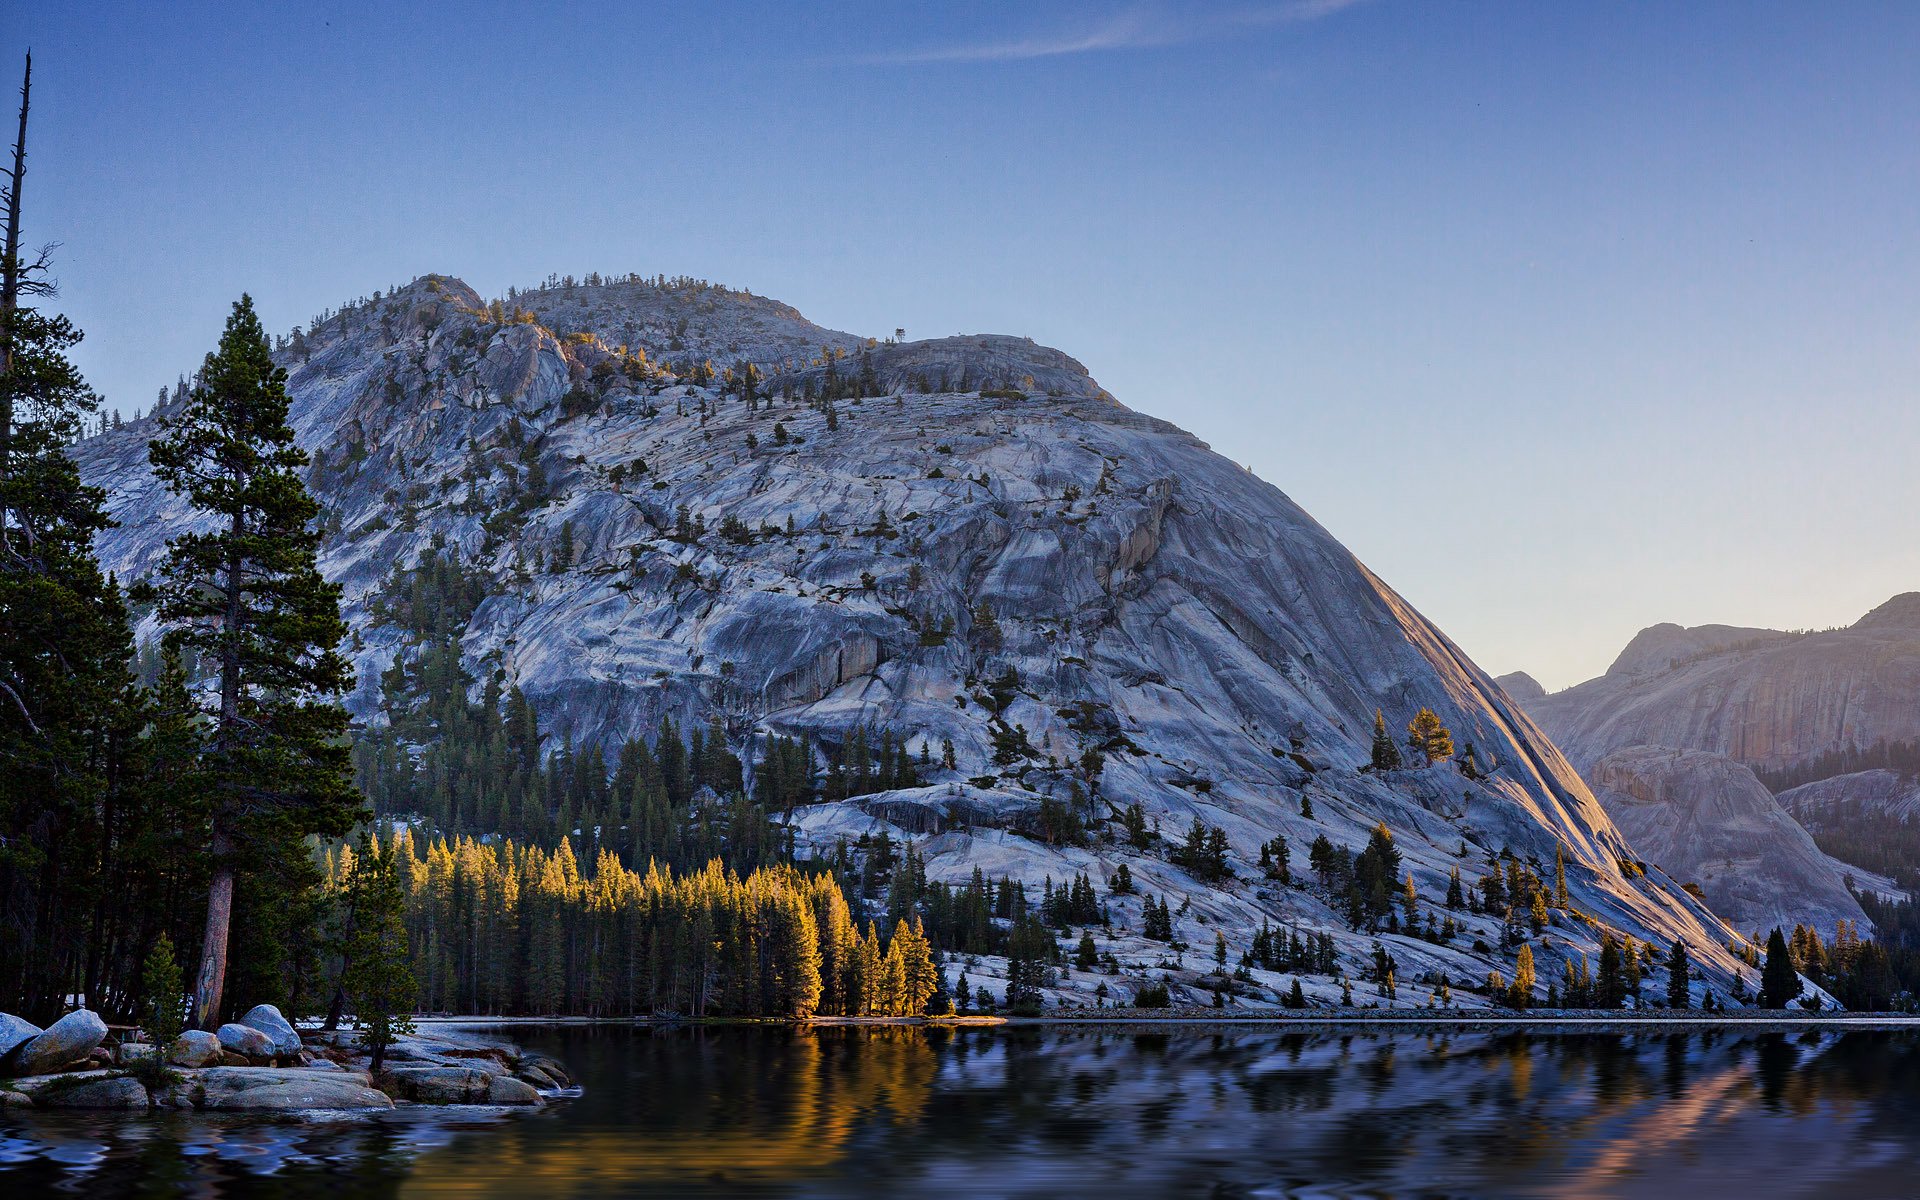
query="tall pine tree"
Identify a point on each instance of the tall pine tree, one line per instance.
(244, 593)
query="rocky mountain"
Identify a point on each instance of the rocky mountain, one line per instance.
(985, 549)
(1762, 696)
(1804, 708)
(1711, 823)
(1521, 686)
(1879, 791)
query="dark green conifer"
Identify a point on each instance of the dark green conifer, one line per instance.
(1779, 982)
(244, 593)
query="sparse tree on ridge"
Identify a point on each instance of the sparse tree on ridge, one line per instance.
(1429, 738)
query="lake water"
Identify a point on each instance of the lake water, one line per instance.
(1063, 1111)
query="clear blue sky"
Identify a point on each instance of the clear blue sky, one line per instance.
(1568, 318)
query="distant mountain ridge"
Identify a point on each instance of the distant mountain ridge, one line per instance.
(648, 542)
(1765, 697)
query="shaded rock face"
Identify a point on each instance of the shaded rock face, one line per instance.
(1521, 686)
(1155, 600)
(14, 1033)
(122, 1093)
(1761, 696)
(1708, 821)
(442, 1085)
(1827, 801)
(1764, 697)
(70, 1038)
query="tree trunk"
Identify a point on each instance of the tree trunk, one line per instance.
(208, 989)
(10, 282)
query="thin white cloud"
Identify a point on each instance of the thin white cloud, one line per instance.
(1142, 27)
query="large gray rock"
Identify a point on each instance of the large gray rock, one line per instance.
(280, 1089)
(72, 1037)
(194, 1048)
(14, 1033)
(1706, 820)
(1156, 600)
(117, 1092)
(267, 1019)
(245, 1040)
(503, 1089)
(442, 1085)
(128, 1054)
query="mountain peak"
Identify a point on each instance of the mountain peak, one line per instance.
(1901, 612)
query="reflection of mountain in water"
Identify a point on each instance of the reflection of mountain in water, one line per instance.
(1114, 1112)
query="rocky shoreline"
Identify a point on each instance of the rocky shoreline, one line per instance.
(261, 1063)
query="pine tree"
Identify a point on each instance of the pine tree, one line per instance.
(1429, 738)
(1779, 982)
(1520, 995)
(1560, 876)
(247, 596)
(1087, 955)
(380, 983)
(166, 1000)
(1611, 986)
(1386, 755)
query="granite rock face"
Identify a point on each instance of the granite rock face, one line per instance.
(1708, 821)
(120, 1092)
(1767, 698)
(1521, 686)
(1156, 601)
(283, 1089)
(1761, 696)
(1881, 792)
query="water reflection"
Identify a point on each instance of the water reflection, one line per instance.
(1069, 1111)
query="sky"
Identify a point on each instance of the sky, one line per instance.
(1566, 318)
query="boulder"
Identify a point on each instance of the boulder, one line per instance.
(440, 1085)
(229, 1059)
(552, 1066)
(118, 1091)
(12, 1099)
(71, 1037)
(194, 1048)
(127, 1054)
(505, 1090)
(267, 1019)
(271, 1089)
(245, 1040)
(535, 1076)
(14, 1032)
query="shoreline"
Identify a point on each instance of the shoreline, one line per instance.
(1400, 1018)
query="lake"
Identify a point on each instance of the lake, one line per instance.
(1066, 1110)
